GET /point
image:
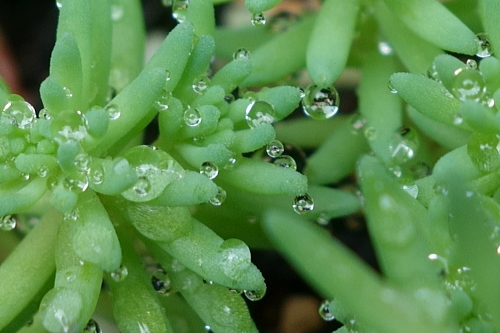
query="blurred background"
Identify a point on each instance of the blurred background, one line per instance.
(27, 36)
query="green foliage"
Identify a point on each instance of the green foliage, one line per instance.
(169, 226)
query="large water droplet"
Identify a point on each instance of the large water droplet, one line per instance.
(19, 112)
(483, 46)
(179, 10)
(68, 125)
(320, 102)
(59, 4)
(119, 274)
(92, 327)
(114, 111)
(258, 19)
(484, 151)
(200, 84)
(259, 112)
(286, 162)
(219, 198)
(7, 222)
(192, 117)
(303, 204)
(325, 312)
(275, 148)
(209, 169)
(254, 295)
(468, 84)
(241, 54)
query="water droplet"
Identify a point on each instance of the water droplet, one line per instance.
(258, 19)
(303, 204)
(161, 282)
(78, 182)
(282, 21)
(324, 311)
(370, 133)
(68, 125)
(59, 4)
(433, 74)
(192, 117)
(208, 329)
(468, 84)
(19, 113)
(323, 219)
(208, 282)
(96, 174)
(42, 171)
(209, 169)
(259, 112)
(320, 103)
(484, 151)
(457, 119)
(231, 163)
(200, 84)
(219, 198)
(25, 176)
(358, 122)
(7, 222)
(229, 98)
(275, 148)
(241, 54)
(72, 215)
(483, 46)
(161, 104)
(411, 189)
(116, 12)
(142, 186)
(92, 327)
(114, 111)
(254, 295)
(82, 162)
(286, 162)
(403, 145)
(471, 63)
(391, 88)
(384, 48)
(179, 10)
(119, 274)
(302, 92)
(44, 114)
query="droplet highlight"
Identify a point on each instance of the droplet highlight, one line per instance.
(258, 19)
(219, 198)
(7, 223)
(200, 84)
(325, 312)
(275, 148)
(468, 84)
(286, 162)
(259, 112)
(483, 46)
(241, 54)
(209, 169)
(19, 112)
(119, 274)
(254, 295)
(192, 117)
(179, 10)
(113, 111)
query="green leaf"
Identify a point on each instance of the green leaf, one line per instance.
(330, 40)
(432, 21)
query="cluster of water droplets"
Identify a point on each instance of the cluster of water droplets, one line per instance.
(320, 103)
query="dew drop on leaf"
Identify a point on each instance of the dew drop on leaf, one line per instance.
(259, 112)
(114, 111)
(384, 48)
(161, 104)
(119, 274)
(200, 84)
(19, 112)
(468, 84)
(483, 46)
(219, 198)
(192, 117)
(241, 54)
(209, 169)
(92, 327)
(179, 10)
(142, 186)
(275, 148)
(303, 203)
(254, 295)
(324, 311)
(7, 222)
(320, 103)
(258, 19)
(403, 146)
(286, 162)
